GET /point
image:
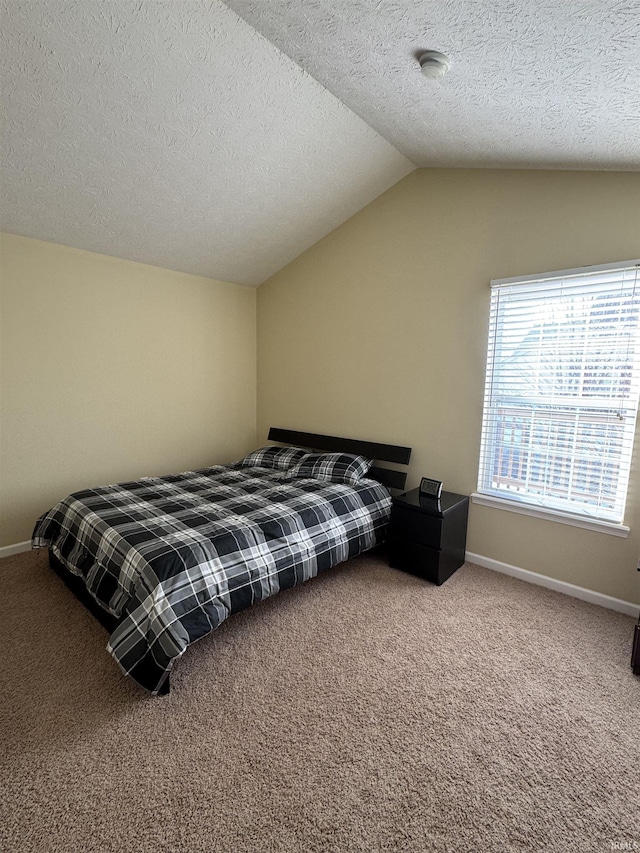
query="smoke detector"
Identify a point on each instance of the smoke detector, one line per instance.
(434, 64)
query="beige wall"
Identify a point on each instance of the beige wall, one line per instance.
(112, 370)
(379, 331)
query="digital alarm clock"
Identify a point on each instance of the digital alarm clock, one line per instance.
(430, 488)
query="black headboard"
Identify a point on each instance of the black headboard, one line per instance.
(371, 449)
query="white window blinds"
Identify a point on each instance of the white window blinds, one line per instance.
(561, 392)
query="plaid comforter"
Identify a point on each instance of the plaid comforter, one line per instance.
(173, 556)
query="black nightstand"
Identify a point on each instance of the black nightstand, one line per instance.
(635, 654)
(428, 537)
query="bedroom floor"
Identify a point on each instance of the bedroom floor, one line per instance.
(363, 711)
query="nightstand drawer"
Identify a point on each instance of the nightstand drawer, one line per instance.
(415, 558)
(408, 524)
(418, 559)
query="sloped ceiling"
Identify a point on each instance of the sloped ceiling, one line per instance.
(533, 83)
(172, 133)
(223, 139)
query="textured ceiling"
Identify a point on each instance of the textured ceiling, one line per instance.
(173, 134)
(533, 83)
(176, 133)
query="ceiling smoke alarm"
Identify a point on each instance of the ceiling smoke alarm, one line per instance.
(434, 64)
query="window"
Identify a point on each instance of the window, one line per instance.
(561, 393)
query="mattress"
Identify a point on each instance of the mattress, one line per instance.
(172, 557)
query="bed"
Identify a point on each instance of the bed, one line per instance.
(163, 561)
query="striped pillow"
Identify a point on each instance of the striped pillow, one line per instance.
(272, 457)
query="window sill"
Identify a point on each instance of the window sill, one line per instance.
(620, 530)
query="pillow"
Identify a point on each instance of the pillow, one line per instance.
(272, 457)
(335, 467)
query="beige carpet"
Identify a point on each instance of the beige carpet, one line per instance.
(364, 711)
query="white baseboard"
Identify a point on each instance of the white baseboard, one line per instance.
(10, 550)
(559, 586)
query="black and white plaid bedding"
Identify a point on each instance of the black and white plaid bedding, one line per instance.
(173, 556)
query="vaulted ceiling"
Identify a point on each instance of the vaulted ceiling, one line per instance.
(551, 84)
(223, 139)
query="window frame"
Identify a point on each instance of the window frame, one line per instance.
(529, 504)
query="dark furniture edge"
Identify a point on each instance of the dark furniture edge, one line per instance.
(77, 587)
(635, 654)
(390, 479)
(371, 449)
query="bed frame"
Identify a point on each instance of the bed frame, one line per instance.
(106, 619)
(392, 479)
